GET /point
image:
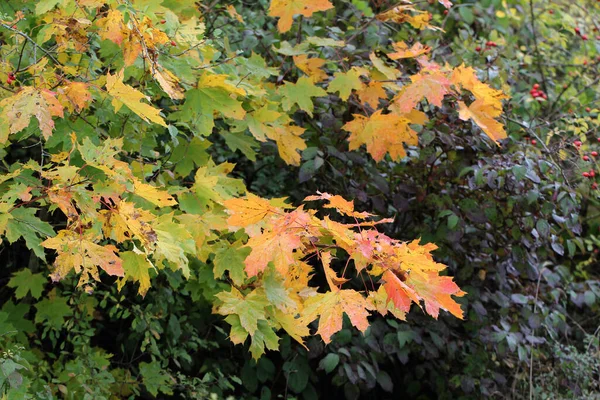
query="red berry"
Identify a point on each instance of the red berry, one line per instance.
(577, 31)
(550, 11)
(599, 139)
(164, 21)
(565, 86)
(585, 158)
(594, 153)
(536, 86)
(584, 62)
(587, 109)
(584, 37)
(544, 96)
(586, 174)
(533, 142)
(477, 48)
(592, 173)
(445, 12)
(595, 186)
(578, 143)
(173, 43)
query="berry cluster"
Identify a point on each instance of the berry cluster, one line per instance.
(537, 93)
(591, 174)
(10, 79)
(488, 45)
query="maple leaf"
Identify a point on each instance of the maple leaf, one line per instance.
(331, 306)
(79, 253)
(25, 282)
(346, 82)
(404, 13)
(311, 67)
(278, 244)
(286, 9)
(483, 115)
(249, 309)
(75, 96)
(17, 110)
(249, 210)
(436, 292)
(300, 93)
(445, 3)
(288, 142)
(112, 27)
(332, 279)
(234, 14)
(433, 85)
(231, 258)
(342, 205)
(466, 78)
(403, 51)
(136, 267)
(381, 133)
(157, 197)
(168, 82)
(125, 94)
(371, 93)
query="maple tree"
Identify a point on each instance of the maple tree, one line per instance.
(136, 190)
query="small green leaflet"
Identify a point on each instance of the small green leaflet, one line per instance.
(25, 282)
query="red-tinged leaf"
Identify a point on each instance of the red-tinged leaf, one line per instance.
(437, 291)
(332, 279)
(401, 294)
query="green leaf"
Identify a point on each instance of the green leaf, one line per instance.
(244, 143)
(231, 258)
(452, 221)
(155, 379)
(25, 224)
(264, 337)
(53, 312)
(345, 82)
(26, 282)
(385, 381)
(300, 93)
(329, 362)
(276, 292)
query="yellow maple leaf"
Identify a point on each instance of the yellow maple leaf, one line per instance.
(79, 253)
(311, 67)
(18, 109)
(289, 142)
(168, 82)
(125, 94)
(157, 197)
(381, 133)
(343, 206)
(234, 14)
(286, 9)
(248, 211)
(483, 115)
(330, 308)
(112, 27)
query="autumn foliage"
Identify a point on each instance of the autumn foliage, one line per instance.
(122, 97)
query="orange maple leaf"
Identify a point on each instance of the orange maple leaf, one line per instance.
(432, 85)
(483, 115)
(403, 51)
(286, 9)
(344, 206)
(381, 133)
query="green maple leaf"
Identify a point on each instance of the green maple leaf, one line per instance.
(52, 311)
(25, 282)
(231, 258)
(250, 309)
(244, 143)
(300, 93)
(276, 292)
(345, 82)
(263, 337)
(24, 224)
(155, 379)
(200, 105)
